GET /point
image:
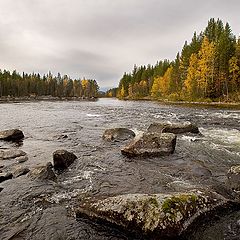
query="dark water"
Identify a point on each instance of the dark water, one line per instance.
(101, 170)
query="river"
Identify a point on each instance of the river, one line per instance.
(101, 170)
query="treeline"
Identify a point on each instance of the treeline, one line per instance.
(112, 92)
(13, 84)
(208, 68)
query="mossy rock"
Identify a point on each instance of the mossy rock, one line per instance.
(163, 215)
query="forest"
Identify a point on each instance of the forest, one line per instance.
(13, 84)
(206, 69)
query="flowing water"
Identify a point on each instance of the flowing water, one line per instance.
(101, 170)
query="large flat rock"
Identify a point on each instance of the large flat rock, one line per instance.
(176, 128)
(162, 215)
(150, 144)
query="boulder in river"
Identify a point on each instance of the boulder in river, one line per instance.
(5, 176)
(22, 159)
(161, 215)
(11, 135)
(62, 159)
(118, 134)
(11, 154)
(151, 144)
(20, 171)
(176, 128)
(234, 177)
(43, 173)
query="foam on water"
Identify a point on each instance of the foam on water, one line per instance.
(224, 136)
(85, 175)
(190, 138)
(226, 115)
(67, 195)
(93, 115)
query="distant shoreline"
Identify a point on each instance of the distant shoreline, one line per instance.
(224, 105)
(44, 98)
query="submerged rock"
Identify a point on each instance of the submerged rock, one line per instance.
(161, 215)
(11, 135)
(5, 176)
(43, 173)
(151, 144)
(118, 134)
(11, 154)
(234, 177)
(176, 128)
(62, 159)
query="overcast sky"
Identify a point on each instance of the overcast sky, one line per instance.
(101, 39)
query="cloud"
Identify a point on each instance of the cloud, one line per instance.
(101, 39)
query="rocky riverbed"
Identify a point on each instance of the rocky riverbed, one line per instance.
(102, 178)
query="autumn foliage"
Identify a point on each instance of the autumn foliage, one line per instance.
(13, 84)
(208, 68)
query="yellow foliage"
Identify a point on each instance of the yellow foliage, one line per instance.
(234, 70)
(84, 83)
(160, 85)
(190, 84)
(206, 64)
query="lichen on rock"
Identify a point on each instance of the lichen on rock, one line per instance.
(166, 215)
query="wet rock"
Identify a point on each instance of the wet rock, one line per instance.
(234, 177)
(161, 215)
(20, 171)
(118, 134)
(43, 173)
(5, 176)
(62, 159)
(21, 159)
(11, 135)
(11, 154)
(151, 144)
(176, 128)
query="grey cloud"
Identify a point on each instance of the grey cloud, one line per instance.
(101, 38)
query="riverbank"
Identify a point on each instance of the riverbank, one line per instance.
(45, 98)
(225, 105)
